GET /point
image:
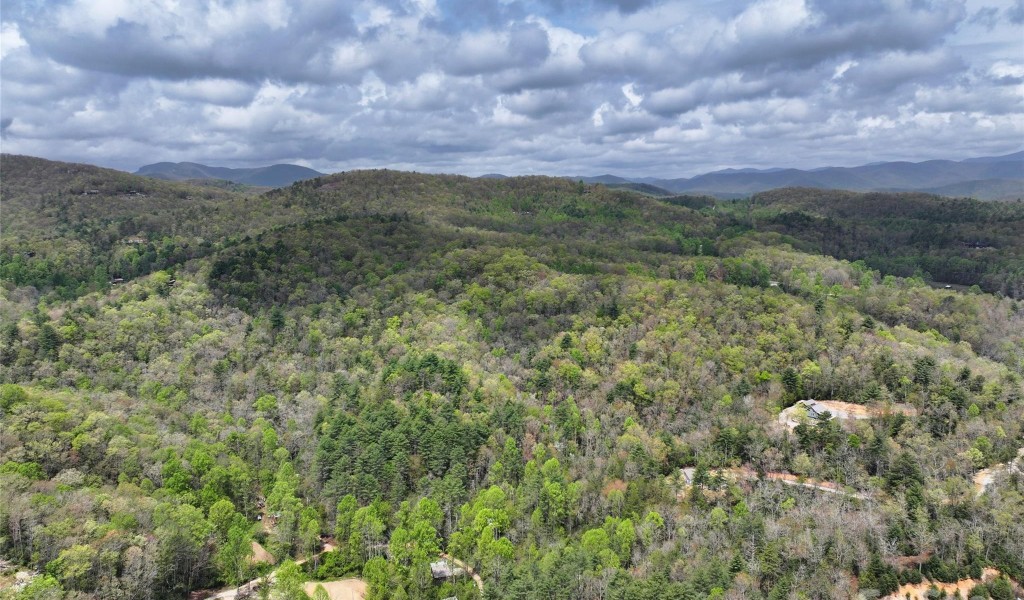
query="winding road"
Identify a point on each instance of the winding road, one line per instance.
(746, 474)
(985, 477)
(824, 486)
(476, 577)
(249, 588)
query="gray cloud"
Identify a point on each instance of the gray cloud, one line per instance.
(885, 73)
(488, 51)
(1015, 13)
(988, 16)
(538, 104)
(638, 87)
(243, 40)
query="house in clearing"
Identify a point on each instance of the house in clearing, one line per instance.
(443, 569)
(816, 410)
(813, 410)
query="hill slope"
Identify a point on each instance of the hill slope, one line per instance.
(983, 189)
(272, 176)
(989, 177)
(957, 241)
(556, 384)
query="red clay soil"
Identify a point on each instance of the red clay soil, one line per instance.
(918, 591)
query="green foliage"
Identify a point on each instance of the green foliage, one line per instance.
(319, 593)
(235, 551)
(959, 241)
(513, 372)
(43, 587)
(29, 470)
(288, 582)
(10, 395)
(879, 576)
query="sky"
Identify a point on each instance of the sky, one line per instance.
(560, 87)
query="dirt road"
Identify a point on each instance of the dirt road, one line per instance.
(746, 474)
(476, 578)
(249, 588)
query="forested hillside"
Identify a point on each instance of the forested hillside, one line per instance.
(957, 241)
(573, 389)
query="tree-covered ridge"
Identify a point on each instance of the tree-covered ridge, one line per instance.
(70, 229)
(514, 385)
(957, 241)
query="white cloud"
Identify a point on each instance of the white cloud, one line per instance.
(350, 58)
(663, 88)
(629, 91)
(372, 16)
(372, 89)
(504, 117)
(1006, 69)
(770, 19)
(843, 68)
(10, 39)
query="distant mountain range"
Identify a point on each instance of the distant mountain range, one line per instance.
(272, 176)
(984, 178)
(989, 178)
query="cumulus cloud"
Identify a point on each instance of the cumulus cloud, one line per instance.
(520, 45)
(538, 104)
(638, 87)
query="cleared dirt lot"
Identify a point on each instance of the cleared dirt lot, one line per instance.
(919, 591)
(341, 589)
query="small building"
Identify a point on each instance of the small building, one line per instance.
(815, 410)
(443, 569)
(844, 412)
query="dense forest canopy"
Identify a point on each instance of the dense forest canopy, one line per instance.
(957, 241)
(576, 391)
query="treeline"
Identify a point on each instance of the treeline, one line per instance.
(955, 241)
(556, 384)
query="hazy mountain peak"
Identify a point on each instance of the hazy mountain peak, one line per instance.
(987, 178)
(278, 175)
